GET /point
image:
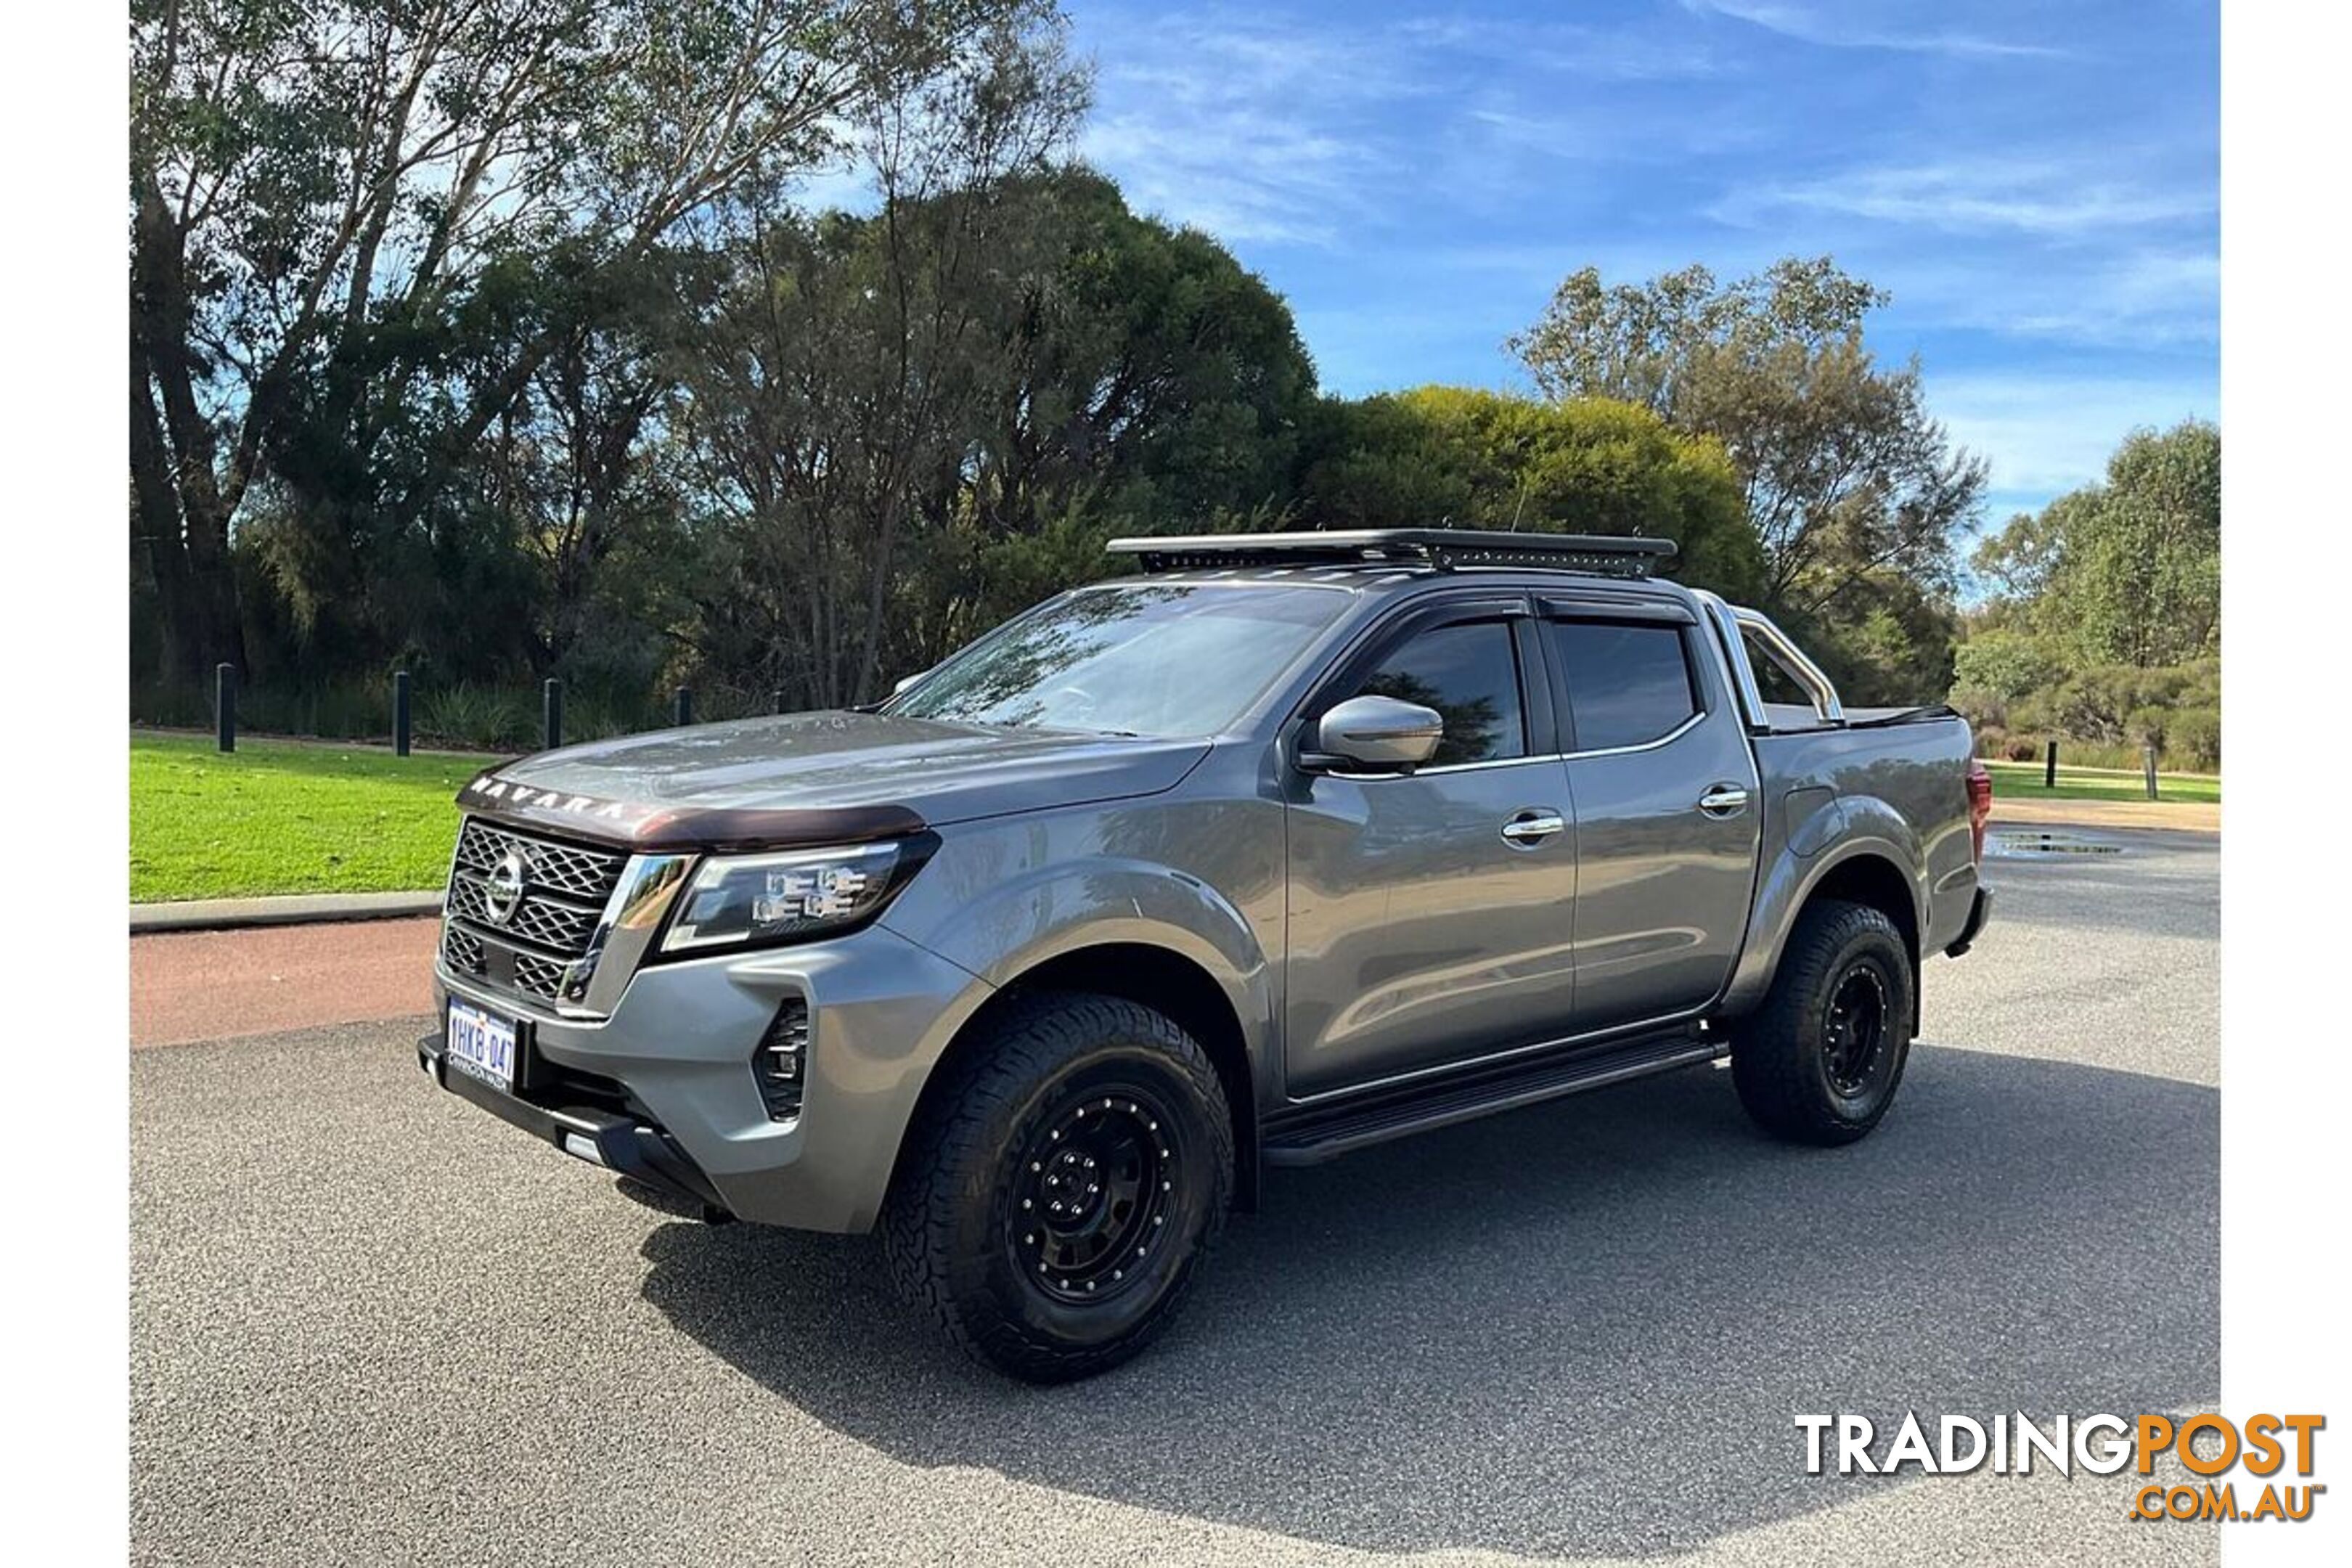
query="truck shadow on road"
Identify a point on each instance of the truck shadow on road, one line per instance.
(1581, 1329)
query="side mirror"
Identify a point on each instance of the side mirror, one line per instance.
(907, 680)
(1377, 732)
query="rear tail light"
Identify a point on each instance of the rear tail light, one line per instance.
(1980, 805)
(781, 1063)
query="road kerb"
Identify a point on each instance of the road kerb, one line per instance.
(302, 908)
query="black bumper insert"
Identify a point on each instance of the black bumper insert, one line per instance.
(630, 1147)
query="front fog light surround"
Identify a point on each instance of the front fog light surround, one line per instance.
(781, 1064)
(741, 900)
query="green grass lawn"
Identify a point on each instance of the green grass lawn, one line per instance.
(2022, 781)
(287, 816)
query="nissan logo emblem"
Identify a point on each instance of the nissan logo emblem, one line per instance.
(502, 890)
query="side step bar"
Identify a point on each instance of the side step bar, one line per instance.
(1314, 1134)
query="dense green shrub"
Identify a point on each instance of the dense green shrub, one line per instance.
(478, 718)
(2104, 627)
(1999, 667)
(2195, 736)
(1476, 458)
(336, 711)
(2019, 697)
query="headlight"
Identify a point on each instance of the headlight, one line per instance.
(742, 900)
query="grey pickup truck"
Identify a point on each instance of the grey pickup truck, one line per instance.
(1286, 846)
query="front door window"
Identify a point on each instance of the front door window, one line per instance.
(1469, 674)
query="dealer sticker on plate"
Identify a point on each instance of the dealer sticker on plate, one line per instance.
(481, 1044)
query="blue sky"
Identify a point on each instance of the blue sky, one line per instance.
(2038, 185)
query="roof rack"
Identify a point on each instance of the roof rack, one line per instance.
(1444, 549)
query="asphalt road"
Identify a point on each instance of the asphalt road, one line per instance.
(371, 1324)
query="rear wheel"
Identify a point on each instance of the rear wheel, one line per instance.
(1821, 1060)
(1063, 1187)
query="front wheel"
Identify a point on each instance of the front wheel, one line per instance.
(1820, 1059)
(1063, 1187)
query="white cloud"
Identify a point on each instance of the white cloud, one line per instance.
(2135, 300)
(2046, 434)
(1831, 28)
(846, 185)
(1569, 48)
(2047, 197)
(1252, 129)
(1260, 126)
(1248, 177)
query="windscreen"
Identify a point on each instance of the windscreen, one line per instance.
(1166, 660)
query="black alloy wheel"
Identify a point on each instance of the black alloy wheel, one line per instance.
(1093, 1192)
(1855, 1031)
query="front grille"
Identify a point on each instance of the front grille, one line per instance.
(560, 868)
(462, 948)
(539, 976)
(540, 918)
(538, 949)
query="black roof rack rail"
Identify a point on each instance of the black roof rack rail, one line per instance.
(1444, 549)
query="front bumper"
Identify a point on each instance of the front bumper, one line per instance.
(663, 1089)
(1980, 912)
(623, 1144)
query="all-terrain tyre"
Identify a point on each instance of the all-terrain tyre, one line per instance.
(1062, 1187)
(1819, 1061)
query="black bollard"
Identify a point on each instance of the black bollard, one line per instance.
(551, 711)
(2049, 768)
(400, 713)
(225, 706)
(682, 712)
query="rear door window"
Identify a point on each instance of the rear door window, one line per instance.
(1627, 685)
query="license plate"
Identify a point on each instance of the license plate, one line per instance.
(482, 1045)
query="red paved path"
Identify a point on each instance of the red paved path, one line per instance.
(212, 984)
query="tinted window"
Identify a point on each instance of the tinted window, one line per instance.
(1470, 674)
(1626, 685)
(1147, 658)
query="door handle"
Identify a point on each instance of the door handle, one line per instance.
(1532, 826)
(1724, 800)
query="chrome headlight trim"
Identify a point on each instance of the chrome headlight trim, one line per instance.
(632, 917)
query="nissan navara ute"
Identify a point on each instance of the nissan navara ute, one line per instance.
(1288, 845)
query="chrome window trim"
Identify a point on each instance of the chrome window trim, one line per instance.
(1390, 774)
(1668, 739)
(1700, 706)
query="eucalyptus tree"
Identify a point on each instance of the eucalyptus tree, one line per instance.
(1846, 474)
(2126, 571)
(915, 419)
(833, 372)
(319, 188)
